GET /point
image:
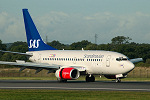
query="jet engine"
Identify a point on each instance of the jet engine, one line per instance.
(67, 73)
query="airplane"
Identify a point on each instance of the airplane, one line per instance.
(70, 64)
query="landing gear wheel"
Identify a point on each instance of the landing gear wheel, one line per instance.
(118, 80)
(90, 78)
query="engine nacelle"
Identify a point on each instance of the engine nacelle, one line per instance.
(67, 73)
(116, 76)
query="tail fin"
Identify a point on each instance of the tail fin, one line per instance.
(35, 43)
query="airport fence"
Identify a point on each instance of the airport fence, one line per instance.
(138, 72)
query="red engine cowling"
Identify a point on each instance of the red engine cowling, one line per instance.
(67, 73)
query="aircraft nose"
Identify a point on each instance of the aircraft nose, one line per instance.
(130, 66)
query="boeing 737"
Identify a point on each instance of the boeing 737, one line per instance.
(70, 64)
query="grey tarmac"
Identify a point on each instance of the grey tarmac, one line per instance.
(75, 85)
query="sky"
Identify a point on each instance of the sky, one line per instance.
(71, 21)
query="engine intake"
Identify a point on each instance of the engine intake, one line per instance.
(67, 73)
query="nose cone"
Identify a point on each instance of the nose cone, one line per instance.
(132, 65)
(129, 66)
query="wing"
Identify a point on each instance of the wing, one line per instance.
(39, 66)
(136, 60)
(30, 65)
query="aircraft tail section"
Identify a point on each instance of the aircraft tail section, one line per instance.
(34, 40)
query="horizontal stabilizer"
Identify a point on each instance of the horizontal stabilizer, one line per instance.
(27, 54)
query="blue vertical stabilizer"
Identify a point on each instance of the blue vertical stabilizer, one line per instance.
(35, 43)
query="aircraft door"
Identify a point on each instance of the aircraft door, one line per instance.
(108, 61)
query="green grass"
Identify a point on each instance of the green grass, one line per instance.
(25, 94)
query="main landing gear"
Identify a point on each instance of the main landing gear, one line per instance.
(90, 78)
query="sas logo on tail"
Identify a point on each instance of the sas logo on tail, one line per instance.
(34, 43)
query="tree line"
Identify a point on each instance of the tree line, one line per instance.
(119, 44)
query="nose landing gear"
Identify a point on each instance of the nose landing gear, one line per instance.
(118, 80)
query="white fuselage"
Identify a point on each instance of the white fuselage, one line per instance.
(95, 62)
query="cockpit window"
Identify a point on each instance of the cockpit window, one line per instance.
(121, 59)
